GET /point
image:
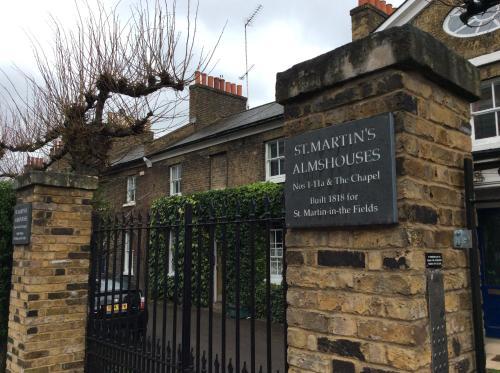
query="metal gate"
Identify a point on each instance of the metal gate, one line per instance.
(190, 292)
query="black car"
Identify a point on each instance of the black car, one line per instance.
(115, 303)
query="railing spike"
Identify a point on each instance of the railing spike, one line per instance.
(216, 363)
(203, 362)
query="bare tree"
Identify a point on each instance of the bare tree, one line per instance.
(106, 78)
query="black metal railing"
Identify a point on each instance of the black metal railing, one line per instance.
(188, 291)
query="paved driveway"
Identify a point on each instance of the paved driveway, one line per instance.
(277, 336)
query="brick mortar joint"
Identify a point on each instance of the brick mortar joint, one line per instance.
(440, 184)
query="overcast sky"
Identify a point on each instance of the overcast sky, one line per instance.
(284, 33)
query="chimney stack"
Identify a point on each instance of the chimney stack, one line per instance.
(212, 98)
(368, 15)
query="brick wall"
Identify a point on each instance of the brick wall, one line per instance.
(48, 301)
(245, 164)
(358, 297)
(218, 171)
(208, 104)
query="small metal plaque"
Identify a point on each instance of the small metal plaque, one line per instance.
(437, 319)
(434, 260)
(462, 239)
(21, 232)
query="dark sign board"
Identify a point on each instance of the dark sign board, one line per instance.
(342, 175)
(433, 260)
(21, 232)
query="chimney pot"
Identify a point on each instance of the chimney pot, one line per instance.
(239, 90)
(211, 81)
(389, 9)
(216, 83)
(204, 79)
(228, 87)
(233, 88)
(222, 84)
(381, 5)
(197, 77)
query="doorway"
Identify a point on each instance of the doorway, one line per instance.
(489, 243)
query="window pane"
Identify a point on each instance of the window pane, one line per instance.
(274, 268)
(171, 248)
(131, 189)
(497, 94)
(275, 171)
(279, 237)
(484, 126)
(282, 166)
(175, 172)
(486, 101)
(273, 150)
(281, 145)
(176, 187)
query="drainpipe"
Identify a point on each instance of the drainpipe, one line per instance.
(477, 311)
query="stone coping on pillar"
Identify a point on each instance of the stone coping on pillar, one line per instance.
(406, 48)
(65, 180)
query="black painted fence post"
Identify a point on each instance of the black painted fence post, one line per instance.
(186, 299)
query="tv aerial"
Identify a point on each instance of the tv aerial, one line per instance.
(248, 22)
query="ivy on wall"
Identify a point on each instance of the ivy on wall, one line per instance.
(7, 202)
(216, 214)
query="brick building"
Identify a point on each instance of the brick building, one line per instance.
(226, 145)
(479, 42)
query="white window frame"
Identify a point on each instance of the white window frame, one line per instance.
(171, 246)
(276, 178)
(126, 256)
(131, 191)
(276, 278)
(176, 180)
(488, 142)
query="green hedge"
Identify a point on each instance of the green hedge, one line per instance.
(247, 201)
(7, 201)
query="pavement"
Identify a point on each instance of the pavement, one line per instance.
(492, 347)
(277, 336)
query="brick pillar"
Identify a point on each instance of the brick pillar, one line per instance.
(48, 301)
(357, 297)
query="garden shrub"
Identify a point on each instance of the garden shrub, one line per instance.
(7, 201)
(249, 201)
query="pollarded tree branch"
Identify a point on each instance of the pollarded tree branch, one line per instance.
(106, 66)
(137, 127)
(30, 146)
